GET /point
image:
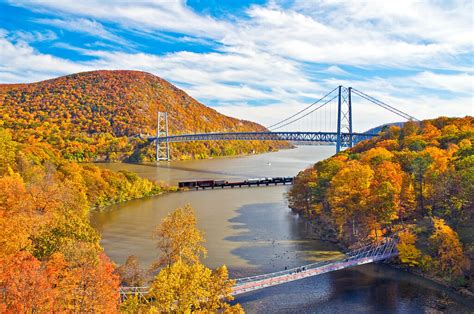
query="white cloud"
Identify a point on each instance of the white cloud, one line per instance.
(22, 63)
(34, 36)
(85, 26)
(334, 69)
(172, 16)
(279, 54)
(457, 83)
(351, 34)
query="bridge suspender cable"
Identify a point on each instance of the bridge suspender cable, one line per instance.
(299, 118)
(384, 105)
(294, 115)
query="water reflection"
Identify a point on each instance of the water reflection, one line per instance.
(274, 238)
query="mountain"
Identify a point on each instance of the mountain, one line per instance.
(95, 115)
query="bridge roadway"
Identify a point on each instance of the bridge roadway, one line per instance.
(369, 254)
(320, 137)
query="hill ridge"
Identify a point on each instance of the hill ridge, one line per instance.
(112, 103)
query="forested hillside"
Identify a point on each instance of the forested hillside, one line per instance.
(99, 116)
(417, 180)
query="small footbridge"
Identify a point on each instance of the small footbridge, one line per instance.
(379, 251)
(365, 255)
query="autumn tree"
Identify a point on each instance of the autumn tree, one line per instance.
(448, 249)
(407, 251)
(85, 280)
(57, 285)
(130, 273)
(182, 287)
(407, 197)
(18, 219)
(7, 151)
(25, 285)
(384, 200)
(50, 257)
(348, 194)
(183, 283)
(178, 237)
(301, 195)
(419, 167)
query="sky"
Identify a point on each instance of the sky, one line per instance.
(257, 60)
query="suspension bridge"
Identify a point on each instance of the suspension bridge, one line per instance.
(331, 115)
(382, 250)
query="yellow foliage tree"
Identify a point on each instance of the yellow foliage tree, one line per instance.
(407, 251)
(184, 284)
(376, 155)
(449, 250)
(178, 238)
(348, 193)
(183, 288)
(7, 150)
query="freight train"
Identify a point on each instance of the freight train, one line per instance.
(203, 184)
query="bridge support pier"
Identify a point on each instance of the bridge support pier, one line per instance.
(344, 118)
(162, 147)
(339, 100)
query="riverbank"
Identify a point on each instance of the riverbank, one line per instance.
(108, 205)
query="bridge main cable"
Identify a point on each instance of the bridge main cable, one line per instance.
(294, 115)
(384, 105)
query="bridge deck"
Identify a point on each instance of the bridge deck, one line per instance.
(321, 137)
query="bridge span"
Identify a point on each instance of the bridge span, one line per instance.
(326, 138)
(318, 116)
(380, 251)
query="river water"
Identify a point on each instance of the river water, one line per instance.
(252, 231)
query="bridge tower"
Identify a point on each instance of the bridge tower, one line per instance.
(344, 118)
(162, 147)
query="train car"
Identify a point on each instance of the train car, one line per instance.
(278, 180)
(220, 183)
(201, 184)
(205, 183)
(252, 180)
(187, 184)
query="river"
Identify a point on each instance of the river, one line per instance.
(252, 231)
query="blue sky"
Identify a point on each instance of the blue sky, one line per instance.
(252, 58)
